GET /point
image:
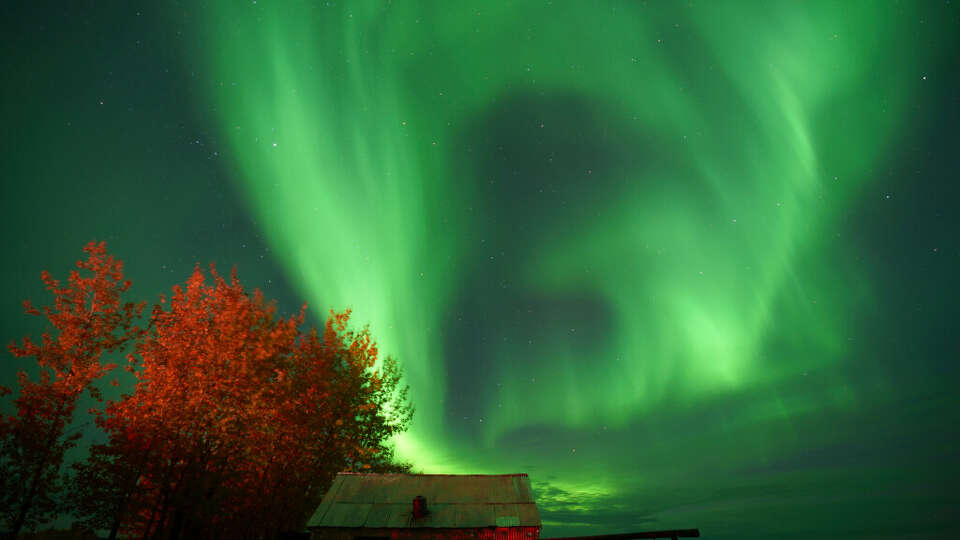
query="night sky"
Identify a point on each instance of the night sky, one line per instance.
(686, 264)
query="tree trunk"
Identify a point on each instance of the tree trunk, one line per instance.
(128, 494)
(27, 503)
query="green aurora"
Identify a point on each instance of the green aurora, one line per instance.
(681, 166)
(614, 245)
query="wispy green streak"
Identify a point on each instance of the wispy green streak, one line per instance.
(715, 255)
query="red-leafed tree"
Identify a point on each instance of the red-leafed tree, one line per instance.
(87, 319)
(238, 421)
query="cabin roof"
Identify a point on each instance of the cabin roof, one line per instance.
(453, 500)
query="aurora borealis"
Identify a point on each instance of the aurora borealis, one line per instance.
(686, 264)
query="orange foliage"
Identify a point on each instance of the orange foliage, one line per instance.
(239, 420)
(236, 425)
(87, 320)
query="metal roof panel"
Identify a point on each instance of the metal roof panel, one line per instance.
(385, 500)
(474, 515)
(429, 486)
(463, 490)
(356, 490)
(521, 485)
(327, 501)
(346, 515)
(441, 515)
(379, 515)
(528, 514)
(505, 515)
(502, 490)
(393, 488)
(400, 516)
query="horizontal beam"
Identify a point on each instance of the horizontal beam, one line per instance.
(676, 533)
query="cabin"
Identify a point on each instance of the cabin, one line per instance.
(439, 507)
(427, 507)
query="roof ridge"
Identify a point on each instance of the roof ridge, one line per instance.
(407, 503)
(427, 474)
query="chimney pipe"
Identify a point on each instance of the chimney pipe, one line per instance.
(420, 507)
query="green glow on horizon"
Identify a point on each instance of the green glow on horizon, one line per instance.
(341, 122)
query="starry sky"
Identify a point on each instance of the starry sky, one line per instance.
(686, 264)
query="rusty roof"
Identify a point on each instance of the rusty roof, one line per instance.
(453, 500)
